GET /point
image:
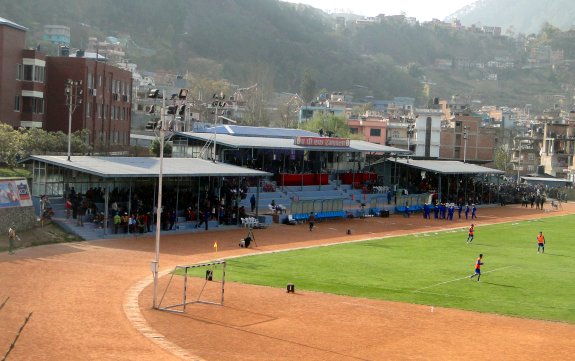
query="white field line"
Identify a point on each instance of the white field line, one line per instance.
(459, 279)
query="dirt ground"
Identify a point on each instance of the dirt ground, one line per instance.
(92, 301)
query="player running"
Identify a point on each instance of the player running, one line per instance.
(541, 242)
(470, 234)
(478, 264)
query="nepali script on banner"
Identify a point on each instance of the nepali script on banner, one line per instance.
(322, 142)
(14, 193)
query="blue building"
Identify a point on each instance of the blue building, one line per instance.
(57, 34)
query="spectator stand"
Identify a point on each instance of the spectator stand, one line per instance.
(323, 209)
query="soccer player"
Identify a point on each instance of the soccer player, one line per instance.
(311, 220)
(541, 242)
(478, 264)
(471, 233)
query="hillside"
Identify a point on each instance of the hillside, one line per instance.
(274, 44)
(525, 16)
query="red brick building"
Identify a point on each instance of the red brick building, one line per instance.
(105, 109)
(33, 92)
(22, 74)
(479, 146)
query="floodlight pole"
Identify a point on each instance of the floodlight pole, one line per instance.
(519, 162)
(218, 102)
(156, 262)
(465, 130)
(73, 92)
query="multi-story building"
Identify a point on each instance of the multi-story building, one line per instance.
(22, 74)
(525, 153)
(427, 133)
(57, 34)
(558, 148)
(464, 139)
(111, 48)
(105, 107)
(371, 126)
(401, 132)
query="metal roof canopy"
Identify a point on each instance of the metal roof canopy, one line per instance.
(288, 143)
(544, 179)
(138, 167)
(448, 166)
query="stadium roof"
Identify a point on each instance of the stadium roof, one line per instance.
(138, 167)
(234, 141)
(247, 131)
(448, 166)
(546, 179)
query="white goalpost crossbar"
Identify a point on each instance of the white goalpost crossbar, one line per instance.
(208, 278)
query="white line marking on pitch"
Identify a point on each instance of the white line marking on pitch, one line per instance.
(459, 279)
(333, 229)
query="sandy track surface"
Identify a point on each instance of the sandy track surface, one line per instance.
(85, 305)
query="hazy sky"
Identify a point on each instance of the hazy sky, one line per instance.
(423, 10)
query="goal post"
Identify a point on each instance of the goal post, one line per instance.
(197, 283)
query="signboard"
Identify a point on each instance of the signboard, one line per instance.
(322, 142)
(14, 193)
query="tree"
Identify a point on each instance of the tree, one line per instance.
(503, 158)
(414, 70)
(307, 86)
(155, 148)
(11, 145)
(330, 124)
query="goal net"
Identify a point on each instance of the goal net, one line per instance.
(197, 283)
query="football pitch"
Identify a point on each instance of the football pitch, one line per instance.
(433, 269)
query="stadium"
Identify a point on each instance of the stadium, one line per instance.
(93, 300)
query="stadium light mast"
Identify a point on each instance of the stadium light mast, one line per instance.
(465, 135)
(73, 92)
(154, 93)
(519, 161)
(410, 132)
(217, 103)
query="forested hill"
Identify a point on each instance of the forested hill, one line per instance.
(268, 42)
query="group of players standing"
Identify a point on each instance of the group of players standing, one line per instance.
(446, 211)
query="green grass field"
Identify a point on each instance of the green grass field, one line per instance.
(433, 269)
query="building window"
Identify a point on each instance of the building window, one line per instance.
(88, 109)
(39, 75)
(531, 156)
(90, 81)
(531, 168)
(19, 72)
(395, 134)
(16, 103)
(375, 132)
(458, 126)
(353, 130)
(28, 73)
(38, 105)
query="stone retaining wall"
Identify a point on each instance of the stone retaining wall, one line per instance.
(23, 217)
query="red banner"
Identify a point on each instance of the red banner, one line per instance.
(322, 142)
